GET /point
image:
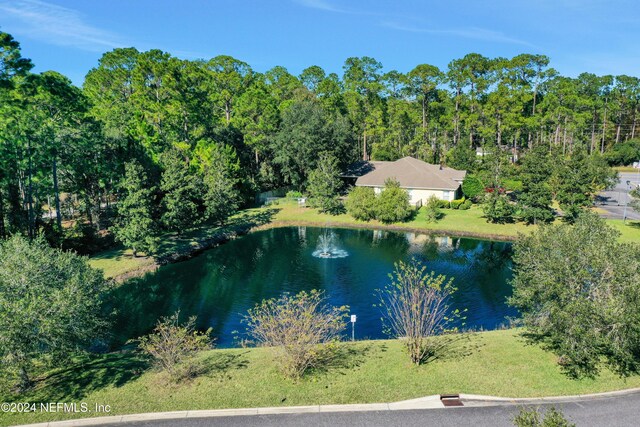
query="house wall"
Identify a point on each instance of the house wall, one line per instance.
(420, 195)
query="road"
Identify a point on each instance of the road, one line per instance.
(613, 201)
(620, 411)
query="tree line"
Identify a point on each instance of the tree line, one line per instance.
(189, 141)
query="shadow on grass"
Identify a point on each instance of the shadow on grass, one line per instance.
(87, 375)
(341, 356)
(451, 347)
(221, 364)
(633, 224)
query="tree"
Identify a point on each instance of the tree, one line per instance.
(635, 199)
(50, 306)
(324, 184)
(135, 226)
(361, 203)
(392, 205)
(472, 187)
(180, 187)
(577, 290)
(432, 209)
(220, 168)
(415, 307)
(496, 207)
(173, 346)
(298, 327)
(535, 198)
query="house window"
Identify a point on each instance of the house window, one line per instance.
(446, 195)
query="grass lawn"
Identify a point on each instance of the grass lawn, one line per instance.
(625, 169)
(491, 363)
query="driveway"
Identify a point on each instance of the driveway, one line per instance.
(613, 201)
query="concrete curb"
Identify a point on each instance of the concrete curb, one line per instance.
(427, 402)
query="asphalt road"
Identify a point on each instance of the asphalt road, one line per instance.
(620, 411)
(613, 201)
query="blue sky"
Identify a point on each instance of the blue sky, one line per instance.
(69, 36)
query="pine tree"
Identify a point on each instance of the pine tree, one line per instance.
(180, 200)
(324, 184)
(135, 226)
(535, 198)
(222, 197)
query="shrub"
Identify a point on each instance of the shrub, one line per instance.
(293, 194)
(472, 187)
(361, 203)
(455, 204)
(415, 307)
(298, 327)
(444, 204)
(432, 209)
(533, 418)
(466, 205)
(172, 346)
(392, 205)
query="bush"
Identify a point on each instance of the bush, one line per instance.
(455, 204)
(444, 204)
(293, 194)
(298, 327)
(361, 203)
(415, 307)
(173, 346)
(533, 418)
(432, 209)
(392, 205)
(472, 187)
(466, 205)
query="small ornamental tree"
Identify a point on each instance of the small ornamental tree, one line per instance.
(297, 327)
(221, 197)
(535, 198)
(432, 209)
(392, 205)
(361, 203)
(172, 345)
(323, 185)
(415, 307)
(472, 187)
(50, 306)
(135, 226)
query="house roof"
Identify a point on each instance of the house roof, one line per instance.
(363, 167)
(413, 173)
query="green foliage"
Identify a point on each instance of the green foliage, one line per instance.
(415, 307)
(472, 187)
(135, 227)
(299, 328)
(432, 209)
(575, 189)
(512, 184)
(462, 157)
(324, 184)
(497, 208)
(180, 187)
(50, 306)
(577, 290)
(361, 203)
(392, 204)
(444, 204)
(535, 198)
(534, 418)
(221, 166)
(466, 205)
(455, 204)
(624, 153)
(293, 195)
(173, 346)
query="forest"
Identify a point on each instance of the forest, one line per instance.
(151, 142)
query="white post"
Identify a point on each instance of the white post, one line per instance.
(353, 327)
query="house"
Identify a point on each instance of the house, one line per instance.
(421, 180)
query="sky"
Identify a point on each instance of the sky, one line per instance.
(70, 36)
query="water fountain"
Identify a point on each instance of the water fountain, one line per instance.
(326, 247)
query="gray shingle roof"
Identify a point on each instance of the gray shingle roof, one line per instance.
(413, 173)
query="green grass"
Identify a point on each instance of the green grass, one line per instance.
(625, 169)
(491, 363)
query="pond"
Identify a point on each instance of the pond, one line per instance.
(220, 285)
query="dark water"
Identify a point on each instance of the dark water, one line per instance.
(222, 283)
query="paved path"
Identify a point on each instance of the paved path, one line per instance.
(613, 201)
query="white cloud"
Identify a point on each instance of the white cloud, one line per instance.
(321, 5)
(470, 33)
(54, 24)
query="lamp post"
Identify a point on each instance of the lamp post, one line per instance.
(626, 202)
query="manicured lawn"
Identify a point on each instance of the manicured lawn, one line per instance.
(491, 363)
(625, 169)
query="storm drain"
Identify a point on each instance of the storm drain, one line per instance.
(451, 400)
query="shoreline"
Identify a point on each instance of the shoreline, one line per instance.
(227, 235)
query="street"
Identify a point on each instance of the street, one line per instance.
(613, 201)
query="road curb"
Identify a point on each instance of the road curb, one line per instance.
(427, 402)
